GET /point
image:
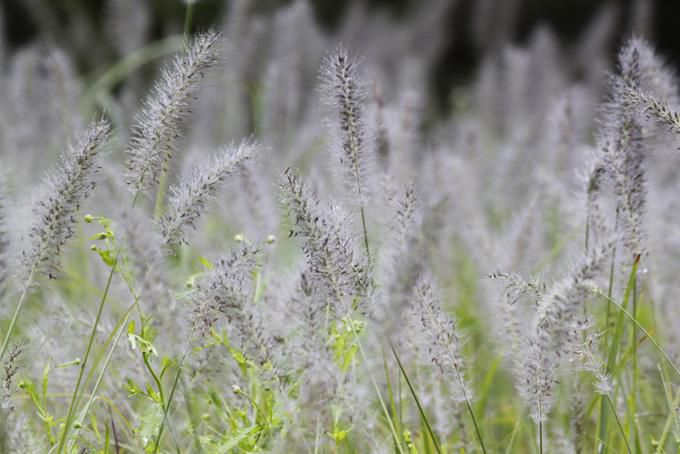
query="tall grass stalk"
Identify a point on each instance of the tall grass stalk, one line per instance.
(83, 363)
(386, 412)
(672, 415)
(639, 326)
(118, 331)
(423, 416)
(618, 422)
(17, 311)
(634, 388)
(90, 342)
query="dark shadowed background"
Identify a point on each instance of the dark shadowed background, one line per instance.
(474, 26)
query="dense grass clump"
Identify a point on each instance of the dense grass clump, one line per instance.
(280, 246)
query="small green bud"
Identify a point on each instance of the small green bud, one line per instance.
(271, 239)
(93, 247)
(239, 237)
(102, 236)
(88, 218)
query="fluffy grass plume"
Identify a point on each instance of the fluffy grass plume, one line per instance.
(64, 190)
(189, 198)
(159, 123)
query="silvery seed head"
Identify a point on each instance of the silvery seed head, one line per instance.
(339, 274)
(344, 94)
(158, 125)
(189, 198)
(64, 190)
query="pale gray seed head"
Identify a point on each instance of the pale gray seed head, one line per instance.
(189, 198)
(62, 194)
(338, 273)
(557, 324)
(402, 259)
(226, 292)
(344, 95)
(441, 341)
(159, 123)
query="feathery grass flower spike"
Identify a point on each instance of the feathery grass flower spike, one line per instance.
(442, 343)
(165, 108)
(337, 272)
(189, 198)
(344, 94)
(555, 331)
(63, 192)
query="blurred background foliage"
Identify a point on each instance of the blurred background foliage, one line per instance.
(473, 27)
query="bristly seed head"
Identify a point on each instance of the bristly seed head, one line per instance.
(338, 273)
(344, 94)
(165, 108)
(64, 191)
(556, 326)
(189, 198)
(441, 341)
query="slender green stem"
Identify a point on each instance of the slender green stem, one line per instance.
(15, 317)
(511, 443)
(633, 390)
(166, 407)
(363, 225)
(377, 390)
(667, 426)
(642, 329)
(390, 393)
(357, 177)
(157, 380)
(69, 414)
(610, 287)
(472, 415)
(130, 63)
(83, 364)
(420, 407)
(188, 19)
(618, 421)
(613, 346)
(119, 330)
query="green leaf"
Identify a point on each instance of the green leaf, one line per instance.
(132, 388)
(205, 262)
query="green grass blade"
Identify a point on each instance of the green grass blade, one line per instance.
(415, 397)
(644, 331)
(390, 394)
